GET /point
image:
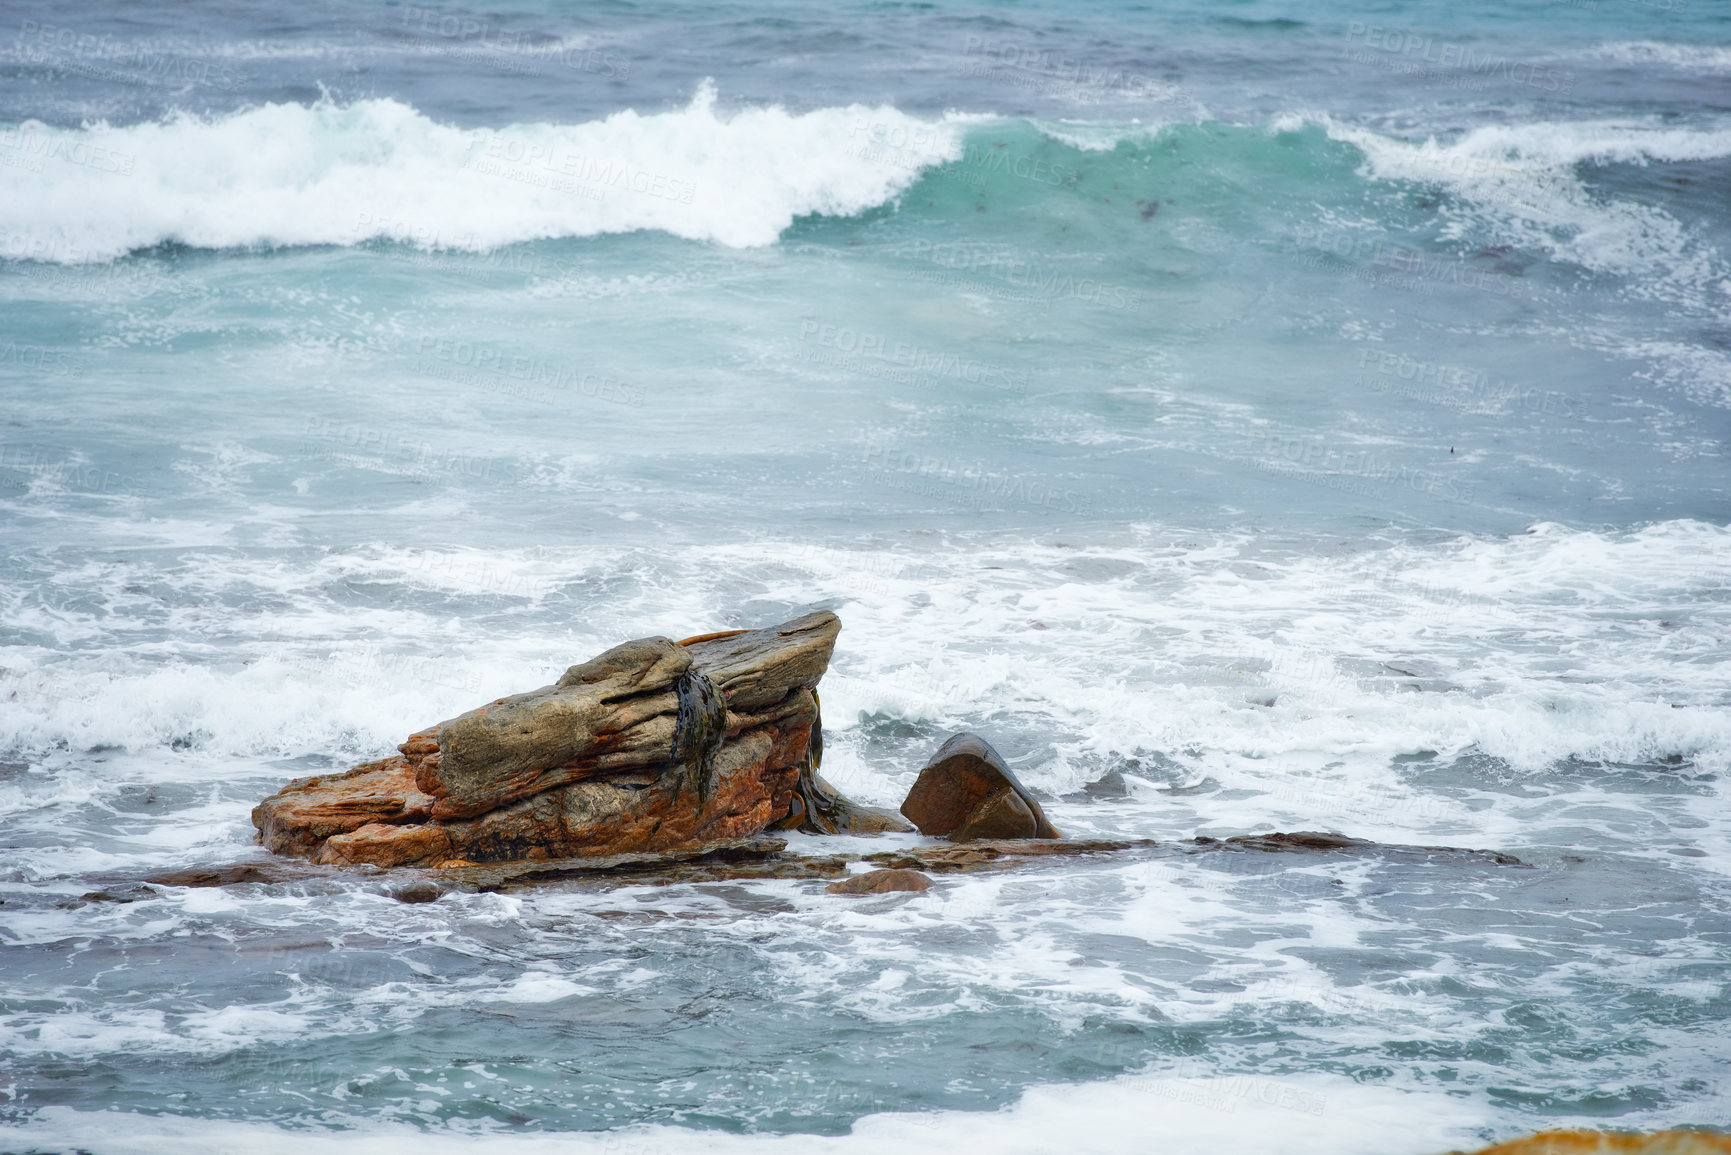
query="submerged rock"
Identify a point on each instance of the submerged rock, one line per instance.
(881, 882)
(967, 792)
(1301, 841)
(1000, 854)
(650, 746)
(761, 857)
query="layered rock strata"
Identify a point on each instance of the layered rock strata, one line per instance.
(650, 746)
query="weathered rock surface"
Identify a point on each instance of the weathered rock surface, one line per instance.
(1310, 841)
(1000, 854)
(653, 745)
(967, 792)
(758, 857)
(725, 861)
(881, 882)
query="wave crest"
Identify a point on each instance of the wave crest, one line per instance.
(290, 174)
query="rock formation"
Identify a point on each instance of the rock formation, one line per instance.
(662, 761)
(651, 746)
(881, 882)
(967, 792)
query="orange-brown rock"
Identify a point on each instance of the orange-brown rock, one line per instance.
(967, 792)
(650, 746)
(298, 818)
(881, 882)
(384, 845)
(1613, 1143)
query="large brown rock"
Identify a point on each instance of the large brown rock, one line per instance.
(650, 746)
(967, 792)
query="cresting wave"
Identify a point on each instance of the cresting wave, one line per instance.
(1526, 183)
(379, 170)
(331, 174)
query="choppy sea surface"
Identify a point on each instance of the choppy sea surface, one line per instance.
(1315, 414)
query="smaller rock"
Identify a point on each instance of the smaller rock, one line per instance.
(214, 876)
(967, 791)
(1001, 854)
(417, 892)
(120, 894)
(881, 882)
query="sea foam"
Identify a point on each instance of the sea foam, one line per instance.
(343, 174)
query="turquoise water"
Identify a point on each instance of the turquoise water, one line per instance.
(1318, 417)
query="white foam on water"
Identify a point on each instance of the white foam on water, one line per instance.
(344, 174)
(1295, 676)
(1295, 1114)
(1646, 53)
(1525, 179)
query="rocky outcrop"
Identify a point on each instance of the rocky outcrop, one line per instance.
(651, 746)
(665, 761)
(967, 792)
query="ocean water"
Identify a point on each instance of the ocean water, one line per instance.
(1316, 414)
